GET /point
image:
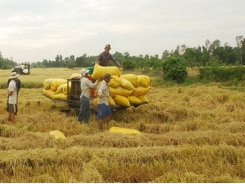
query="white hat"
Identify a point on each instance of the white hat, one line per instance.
(84, 71)
(14, 75)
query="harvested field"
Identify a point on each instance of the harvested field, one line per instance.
(189, 134)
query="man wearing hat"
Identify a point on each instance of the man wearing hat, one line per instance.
(104, 111)
(105, 56)
(86, 85)
(18, 85)
(12, 97)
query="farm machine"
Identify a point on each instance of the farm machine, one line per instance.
(23, 69)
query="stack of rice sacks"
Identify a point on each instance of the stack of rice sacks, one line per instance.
(125, 90)
(56, 88)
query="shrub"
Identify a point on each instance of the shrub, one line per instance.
(128, 64)
(175, 69)
(222, 74)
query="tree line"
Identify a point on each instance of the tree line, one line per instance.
(209, 53)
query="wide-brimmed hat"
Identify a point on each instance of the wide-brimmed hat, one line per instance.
(14, 75)
(84, 71)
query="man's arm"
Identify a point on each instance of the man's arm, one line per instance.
(10, 92)
(18, 85)
(100, 60)
(100, 90)
(115, 61)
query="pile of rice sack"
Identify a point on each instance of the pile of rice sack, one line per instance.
(125, 90)
(56, 88)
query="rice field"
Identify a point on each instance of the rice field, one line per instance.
(188, 134)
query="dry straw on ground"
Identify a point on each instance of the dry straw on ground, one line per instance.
(189, 134)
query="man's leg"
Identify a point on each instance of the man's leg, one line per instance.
(108, 116)
(101, 116)
(82, 111)
(87, 113)
(9, 118)
(12, 117)
(101, 125)
(108, 119)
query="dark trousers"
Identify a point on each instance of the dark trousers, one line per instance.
(84, 111)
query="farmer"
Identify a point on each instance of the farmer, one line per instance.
(105, 56)
(86, 85)
(18, 85)
(12, 97)
(104, 111)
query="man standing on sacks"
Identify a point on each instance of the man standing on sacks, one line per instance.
(105, 56)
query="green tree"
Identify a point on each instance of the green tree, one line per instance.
(57, 61)
(80, 60)
(165, 54)
(128, 63)
(118, 56)
(1, 60)
(239, 41)
(175, 68)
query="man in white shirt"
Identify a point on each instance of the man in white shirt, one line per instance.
(86, 85)
(12, 97)
(104, 111)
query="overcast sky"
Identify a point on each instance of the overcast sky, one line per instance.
(33, 30)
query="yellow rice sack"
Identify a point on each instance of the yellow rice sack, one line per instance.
(120, 91)
(49, 93)
(121, 100)
(63, 89)
(57, 134)
(144, 80)
(143, 98)
(56, 83)
(95, 102)
(126, 84)
(96, 89)
(47, 83)
(114, 82)
(111, 101)
(132, 78)
(60, 96)
(102, 70)
(124, 131)
(96, 92)
(134, 100)
(75, 75)
(141, 91)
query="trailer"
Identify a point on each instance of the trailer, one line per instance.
(73, 97)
